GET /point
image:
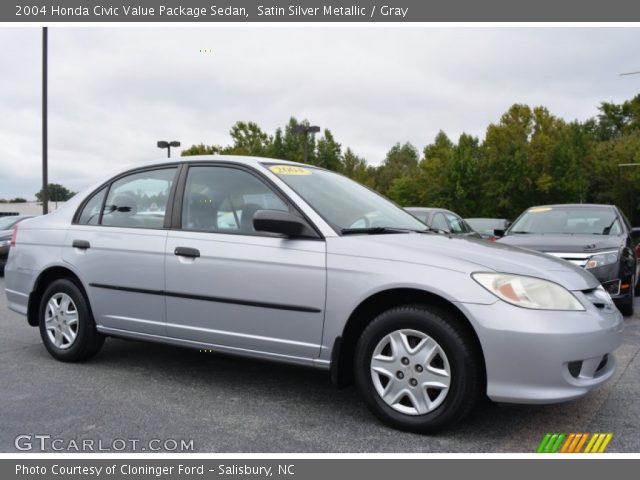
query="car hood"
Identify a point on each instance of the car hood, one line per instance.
(563, 243)
(462, 254)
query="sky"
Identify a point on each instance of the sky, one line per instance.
(115, 91)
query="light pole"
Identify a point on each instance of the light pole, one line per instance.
(45, 160)
(168, 145)
(305, 130)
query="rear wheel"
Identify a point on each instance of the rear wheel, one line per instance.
(67, 327)
(417, 369)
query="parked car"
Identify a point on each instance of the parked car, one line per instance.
(444, 221)
(314, 270)
(598, 238)
(486, 226)
(6, 224)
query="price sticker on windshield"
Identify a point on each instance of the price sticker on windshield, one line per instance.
(289, 170)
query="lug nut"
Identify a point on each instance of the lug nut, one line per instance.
(413, 382)
(405, 361)
(400, 375)
(419, 368)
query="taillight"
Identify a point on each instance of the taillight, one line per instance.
(638, 250)
(14, 235)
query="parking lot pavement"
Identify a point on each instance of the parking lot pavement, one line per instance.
(143, 391)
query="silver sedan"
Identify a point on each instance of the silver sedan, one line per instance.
(283, 261)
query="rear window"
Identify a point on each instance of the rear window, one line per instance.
(138, 200)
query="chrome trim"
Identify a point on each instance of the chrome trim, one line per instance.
(16, 292)
(217, 332)
(211, 346)
(579, 258)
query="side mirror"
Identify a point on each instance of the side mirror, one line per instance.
(284, 223)
(635, 232)
(499, 232)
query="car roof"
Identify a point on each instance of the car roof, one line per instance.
(574, 205)
(427, 209)
(244, 160)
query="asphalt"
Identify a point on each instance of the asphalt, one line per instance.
(141, 392)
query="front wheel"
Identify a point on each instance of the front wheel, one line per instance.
(418, 369)
(66, 325)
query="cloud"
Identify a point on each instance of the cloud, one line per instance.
(115, 91)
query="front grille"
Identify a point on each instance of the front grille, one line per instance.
(579, 259)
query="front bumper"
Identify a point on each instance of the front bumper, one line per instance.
(537, 356)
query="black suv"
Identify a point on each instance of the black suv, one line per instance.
(596, 237)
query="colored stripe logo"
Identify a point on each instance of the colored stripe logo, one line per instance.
(574, 443)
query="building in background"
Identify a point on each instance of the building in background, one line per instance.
(27, 208)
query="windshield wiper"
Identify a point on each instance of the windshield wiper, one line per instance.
(380, 230)
(607, 230)
(521, 232)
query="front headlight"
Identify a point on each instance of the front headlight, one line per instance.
(528, 292)
(600, 259)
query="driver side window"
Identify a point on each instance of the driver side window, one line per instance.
(224, 200)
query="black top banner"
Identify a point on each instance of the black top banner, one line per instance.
(47, 11)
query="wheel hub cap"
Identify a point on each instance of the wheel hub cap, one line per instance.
(61, 321)
(414, 387)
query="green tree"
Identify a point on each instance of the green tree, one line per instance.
(357, 169)
(400, 161)
(201, 149)
(293, 143)
(329, 153)
(509, 178)
(249, 139)
(57, 193)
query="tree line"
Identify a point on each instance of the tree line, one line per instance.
(528, 157)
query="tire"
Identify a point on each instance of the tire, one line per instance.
(455, 351)
(80, 340)
(626, 306)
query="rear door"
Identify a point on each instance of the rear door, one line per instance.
(117, 245)
(230, 286)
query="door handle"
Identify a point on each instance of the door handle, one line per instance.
(187, 252)
(82, 244)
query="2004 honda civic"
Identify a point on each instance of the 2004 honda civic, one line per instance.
(284, 261)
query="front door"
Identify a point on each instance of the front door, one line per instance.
(228, 285)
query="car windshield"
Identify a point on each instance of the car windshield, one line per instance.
(344, 203)
(568, 221)
(485, 225)
(7, 222)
